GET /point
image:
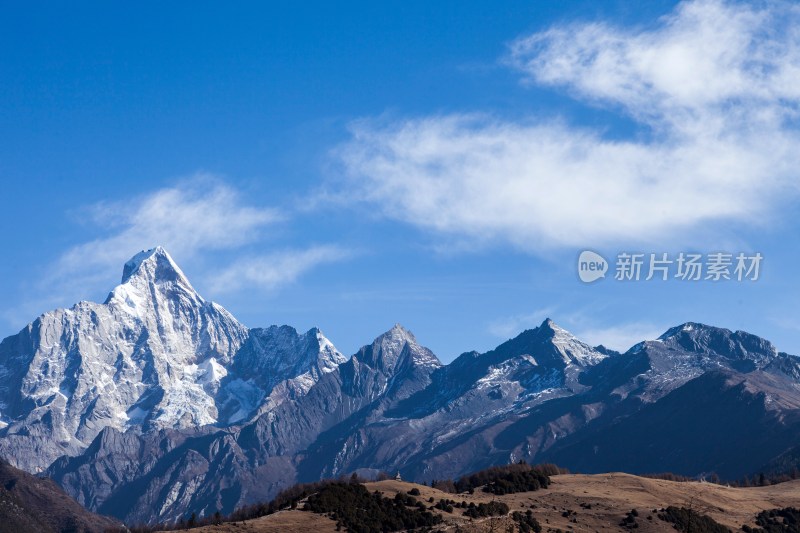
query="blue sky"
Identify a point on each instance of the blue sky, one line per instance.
(438, 164)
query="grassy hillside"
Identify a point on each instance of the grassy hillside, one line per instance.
(571, 503)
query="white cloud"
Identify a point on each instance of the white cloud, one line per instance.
(511, 326)
(197, 215)
(275, 269)
(705, 57)
(621, 337)
(192, 220)
(712, 87)
(618, 337)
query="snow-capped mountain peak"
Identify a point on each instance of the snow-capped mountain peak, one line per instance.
(155, 265)
(155, 354)
(387, 350)
(281, 350)
(329, 357)
(151, 279)
(398, 332)
(684, 328)
(571, 350)
(714, 341)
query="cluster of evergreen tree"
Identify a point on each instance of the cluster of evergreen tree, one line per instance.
(446, 505)
(508, 479)
(444, 485)
(526, 523)
(287, 498)
(359, 511)
(785, 520)
(690, 521)
(762, 479)
(486, 509)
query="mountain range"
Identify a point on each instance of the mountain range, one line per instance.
(157, 403)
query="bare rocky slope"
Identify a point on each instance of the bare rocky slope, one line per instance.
(29, 504)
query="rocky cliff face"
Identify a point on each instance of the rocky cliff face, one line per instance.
(154, 355)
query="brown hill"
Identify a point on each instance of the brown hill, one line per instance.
(33, 505)
(572, 503)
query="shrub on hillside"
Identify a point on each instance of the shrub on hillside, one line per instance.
(487, 509)
(690, 521)
(526, 523)
(776, 521)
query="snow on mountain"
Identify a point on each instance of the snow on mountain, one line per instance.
(276, 364)
(387, 352)
(546, 357)
(571, 349)
(158, 402)
(732, 345)
(689, 350)
(154, 355)
(303, 412)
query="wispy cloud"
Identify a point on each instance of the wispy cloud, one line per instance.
(193, 220)
(706, 57)
(511, 326)
(197, 215)
(275, 269)
(712, 88)
(619, 337)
